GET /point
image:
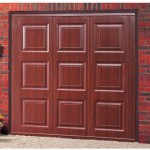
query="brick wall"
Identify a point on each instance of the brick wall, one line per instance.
(143, 43)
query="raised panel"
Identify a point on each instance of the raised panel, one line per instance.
(109, 76)
(108, 115)
(72, 38)
(35, 75)
(34, 112)
(71, 76)
(108, 37)
(71, 114)
(35, 38)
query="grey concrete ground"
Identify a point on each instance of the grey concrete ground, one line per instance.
(16, 141)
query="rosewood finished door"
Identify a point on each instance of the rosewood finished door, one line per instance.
(31, 75)
(112, 99)
(73, 75)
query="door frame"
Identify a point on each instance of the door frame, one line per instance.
(78, 13)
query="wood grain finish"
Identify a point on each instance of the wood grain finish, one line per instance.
(36, 38)
(109, 64)
(74, 70)
(71, 114)
(109, 76)
(32, 74)
(38, 70)
(34, 112)
(113, 111)
(74, 75)
(71, 74)
(108, 36)
(72, 37)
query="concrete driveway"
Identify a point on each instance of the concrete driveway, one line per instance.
(16, 141)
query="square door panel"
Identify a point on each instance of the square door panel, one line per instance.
(34, 112)
(36, 38)
(108, 37)
(72, 37)
(71, 75)
(109, 76)
(109, 115)
(35, 75)
(71, 113)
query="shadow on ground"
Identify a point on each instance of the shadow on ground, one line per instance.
(5, 140)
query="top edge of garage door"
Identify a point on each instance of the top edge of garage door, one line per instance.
(71, 14)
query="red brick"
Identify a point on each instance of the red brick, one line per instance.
(5, 102)
(5, 83)
(144, 108)
(5, 68)
(103, 6)
(141, 79)
(5, 111)
(10, 6)
(144, 24)
(141, 52)
(109, 6)
(144, 57)
(4, 106)
(80, 6)
(147, 61)
(142, 98)
(142, 6)
(5, 17)
(147, 15)
(144, 127)
(144, 89)
(5, 76)
(25, 7)
(144, 35)
(147, 79)
(5, 60)
(141, 117)
(5, 93)
(144, 103)
(141, 70)
(1, 97)
(146, 133)
(130, 6)
(141, 61)
(144, 84)
(142, 42)
(6, 119)
(148, 42)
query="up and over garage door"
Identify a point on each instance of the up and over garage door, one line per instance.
(73, 75)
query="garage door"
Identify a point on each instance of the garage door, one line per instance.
(73, 75)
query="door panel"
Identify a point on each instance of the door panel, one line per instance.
(110, 101)
(30, 40)
(71, 75)
(32, 74)
(106, 109)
